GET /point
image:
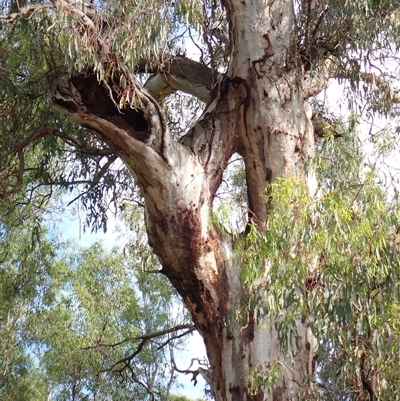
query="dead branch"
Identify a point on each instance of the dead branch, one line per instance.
(26, 11)
(205, 373)
(47, 131)
(144, 339)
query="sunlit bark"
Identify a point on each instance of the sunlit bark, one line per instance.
(257, 110)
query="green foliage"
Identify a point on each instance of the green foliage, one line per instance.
(182, 398)
(65, 317)
(264, 377)
(28, 281)
(97, 321)
(135, 31)
(31, 62)
(333, 259)
(68, 315)
(356, 30)
(40, 49)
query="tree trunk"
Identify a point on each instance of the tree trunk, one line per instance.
(256, 110)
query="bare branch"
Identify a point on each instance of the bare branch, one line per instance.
(144, 339)
(185, 333)
(47, 131)
(205, 373)
(26, 11)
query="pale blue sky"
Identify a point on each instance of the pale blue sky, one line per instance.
(71, 228)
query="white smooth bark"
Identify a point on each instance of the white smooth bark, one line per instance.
(162, 85)
(258, 110)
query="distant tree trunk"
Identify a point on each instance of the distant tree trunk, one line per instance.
(256, 110)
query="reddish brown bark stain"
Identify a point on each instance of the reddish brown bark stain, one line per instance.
(184, 276)
(278, 393)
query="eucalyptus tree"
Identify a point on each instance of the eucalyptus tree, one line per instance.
(81, 324)
(110, 333)
(111, 69)
(25, 285)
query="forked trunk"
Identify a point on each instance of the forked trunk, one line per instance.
(258, 111)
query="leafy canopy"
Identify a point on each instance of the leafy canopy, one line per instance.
(78, 323)
(41, 43)
(348, 233)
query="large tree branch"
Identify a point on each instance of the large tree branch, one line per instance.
(316, 79)
(179, 73)
(138, 133)
(172, 73)
(94, 105)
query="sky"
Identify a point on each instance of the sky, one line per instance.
(70, 228)
(387, 159)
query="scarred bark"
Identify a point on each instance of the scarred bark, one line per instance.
(257, 110)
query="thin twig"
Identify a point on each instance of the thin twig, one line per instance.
(27, 10)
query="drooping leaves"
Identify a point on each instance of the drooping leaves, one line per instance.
(333, 259)
(81, 322)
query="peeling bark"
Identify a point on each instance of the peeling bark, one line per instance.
(257, 110)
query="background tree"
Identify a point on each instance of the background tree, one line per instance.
(24, 286)
(81, 324)
(352, 298)
(259, 63)
(182, 398)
